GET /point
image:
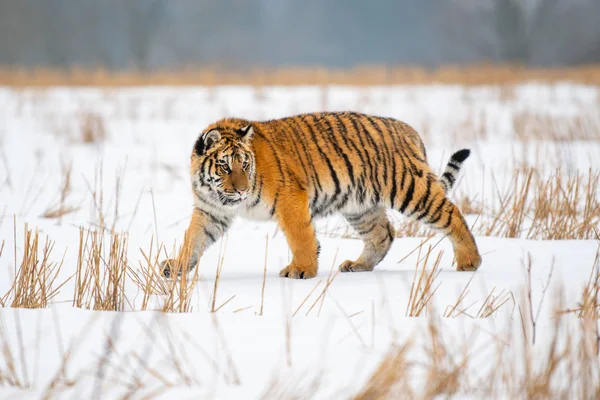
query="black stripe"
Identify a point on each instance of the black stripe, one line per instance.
(408, 148)
(338, 149)
(274, 205)
(436, 215)
(343, 201)
(223, 224)
(295, 142)
(383, 151)
(371, 171)
(275, 156)
(209, 236)
(390, 232)
(394, 190)
(355, 118)
(314, 176)
(404, 170)
(361, 192)
(449, 177)
(347, 139)
(447, 224)
(453, 166)
(259, 194)
(364, 232)
(427, 209)
(202, 200)
(409, 195)
(423, 201)
(332, 172)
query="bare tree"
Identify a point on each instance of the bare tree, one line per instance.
(523, 31)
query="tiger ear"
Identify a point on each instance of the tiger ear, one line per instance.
(246, 133)
(206, 141)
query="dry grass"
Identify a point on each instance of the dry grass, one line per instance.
(101, 272)
(36, 280)
(92, 128)
(563, 206)
(493, 302)
(528, 126)
(363, 75)
(57, 211)
(589, 306)
(175, 295)
(423, 286)
(567, 367)
(323, 293)
(391, 378)
(10, 360)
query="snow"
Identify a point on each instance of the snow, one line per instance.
(150, 135)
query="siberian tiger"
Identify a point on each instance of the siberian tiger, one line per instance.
(302, 167)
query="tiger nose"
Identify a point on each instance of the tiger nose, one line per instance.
(240, 188)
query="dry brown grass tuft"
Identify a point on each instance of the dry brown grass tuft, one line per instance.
(490, 306)
(528, 125)
(469, 206)
(423, 286)
(391, 378)
(61, 209)
(444, 375)
(493, 302)
(565, 367)
(589, 306)
(563, 206)
(35, 283)
(175, 295)
(101, 271)
(10, 361)
(92, 128)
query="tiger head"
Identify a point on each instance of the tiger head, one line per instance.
(223, 165)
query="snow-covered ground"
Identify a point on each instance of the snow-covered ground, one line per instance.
(135, 180)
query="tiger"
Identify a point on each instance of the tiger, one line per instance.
(299, 168)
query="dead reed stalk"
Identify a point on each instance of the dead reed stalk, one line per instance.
(61, 208)
(101, 274)
(175, 293)
(262, 292)
(35, 283)
(391, 378)
(423, 286)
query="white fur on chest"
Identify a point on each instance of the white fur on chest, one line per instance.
(260, 212)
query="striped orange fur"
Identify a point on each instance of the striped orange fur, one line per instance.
(298, 168)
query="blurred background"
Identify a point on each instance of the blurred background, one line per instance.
(161, 35)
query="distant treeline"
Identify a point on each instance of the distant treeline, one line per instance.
(156, 35)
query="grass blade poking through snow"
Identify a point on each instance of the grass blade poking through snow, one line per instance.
(101, 273)
(422, 288)
(34, 285)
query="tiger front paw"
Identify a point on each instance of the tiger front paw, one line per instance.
(297, 272)
(468, 263)
(170, 269)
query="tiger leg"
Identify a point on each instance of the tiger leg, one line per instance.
(377, 233)
(204, 229)
(433, 208)
(295, 221)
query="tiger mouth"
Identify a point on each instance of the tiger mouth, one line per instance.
(231, 200)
